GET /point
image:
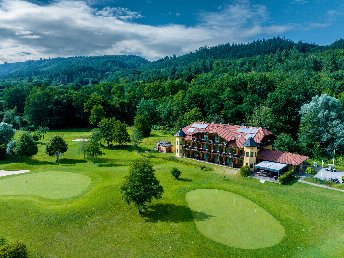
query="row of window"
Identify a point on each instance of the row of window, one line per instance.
(217, 138)
(251, 154)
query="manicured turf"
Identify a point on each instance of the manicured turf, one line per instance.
(97, 223)
(50, 185)
(233, 220)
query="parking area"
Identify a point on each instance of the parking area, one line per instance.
(328, 175)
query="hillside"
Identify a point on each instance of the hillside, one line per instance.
(90, 70)
(80, 70)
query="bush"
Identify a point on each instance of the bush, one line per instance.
(175, 172)
(245, 171)
(12, 250)
(310, 171)
(286, 177)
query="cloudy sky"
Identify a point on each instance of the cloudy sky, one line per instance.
(34, 29)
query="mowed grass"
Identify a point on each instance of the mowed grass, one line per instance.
(50, 185)
(97, 223)
(233, 220)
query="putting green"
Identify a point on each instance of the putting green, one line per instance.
(233, 220)
(50, 185)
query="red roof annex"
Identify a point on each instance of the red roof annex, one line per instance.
(281, 157)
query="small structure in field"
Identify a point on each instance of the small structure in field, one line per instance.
(164, 146)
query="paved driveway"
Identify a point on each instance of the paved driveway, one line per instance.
(327, 175)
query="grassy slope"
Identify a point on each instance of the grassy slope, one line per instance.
(99, 224)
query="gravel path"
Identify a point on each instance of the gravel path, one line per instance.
(322, 186)
(16, 172)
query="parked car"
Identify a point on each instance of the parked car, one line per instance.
(331, 168)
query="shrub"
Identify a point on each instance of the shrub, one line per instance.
(286, 177)
(12, 250)
(245, 171)
(175, 172)
(311, 171)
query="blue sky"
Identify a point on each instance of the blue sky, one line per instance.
(157, 28)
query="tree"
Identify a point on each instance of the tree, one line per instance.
(106, 129)
(6, 133)
(245, 171)
(136, 137)
(310, 171)
(120, 133)
(97, 114)
(284, 142)
(26, 146)
(175, 172)
(322, 125)
(141, 185)
(143, 124)
(56, 146)
(193, 115)
(91, 148)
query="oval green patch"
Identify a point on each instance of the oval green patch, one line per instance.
(50, 185)
(233, 220)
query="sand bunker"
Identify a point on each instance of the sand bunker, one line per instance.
(80, 140)
(8, 173)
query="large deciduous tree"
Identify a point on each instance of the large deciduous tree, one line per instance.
(6, 133)
(141, 185)
(120, 132)
(56, 146)
(106, 129)
(26, 146)
(285, 142)
(322, 126)
(143, 124)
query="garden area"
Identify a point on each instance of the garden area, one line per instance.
(75, 208)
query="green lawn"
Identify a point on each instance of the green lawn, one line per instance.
(97, 223)
(233, 220)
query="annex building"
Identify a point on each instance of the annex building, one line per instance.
(234, 146)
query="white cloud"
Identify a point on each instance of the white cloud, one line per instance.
(69, 28)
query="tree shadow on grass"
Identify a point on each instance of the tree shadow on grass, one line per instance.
(173, 213)
(39, 162)
(72, 161)
(184, 179)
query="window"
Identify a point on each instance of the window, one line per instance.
(205, 146)
(229, 150)
(177, 151)
(251, 154)
(217, 148)
(177, 142)
(206, 137)
(217, 139)
(247, 154)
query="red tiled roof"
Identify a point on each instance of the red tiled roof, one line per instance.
(281, 157)
(235, 135)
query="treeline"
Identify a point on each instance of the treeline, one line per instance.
(266, 86)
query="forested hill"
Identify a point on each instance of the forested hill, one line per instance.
(85, 70)
(79, 70)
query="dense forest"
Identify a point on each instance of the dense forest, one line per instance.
(264, 83)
